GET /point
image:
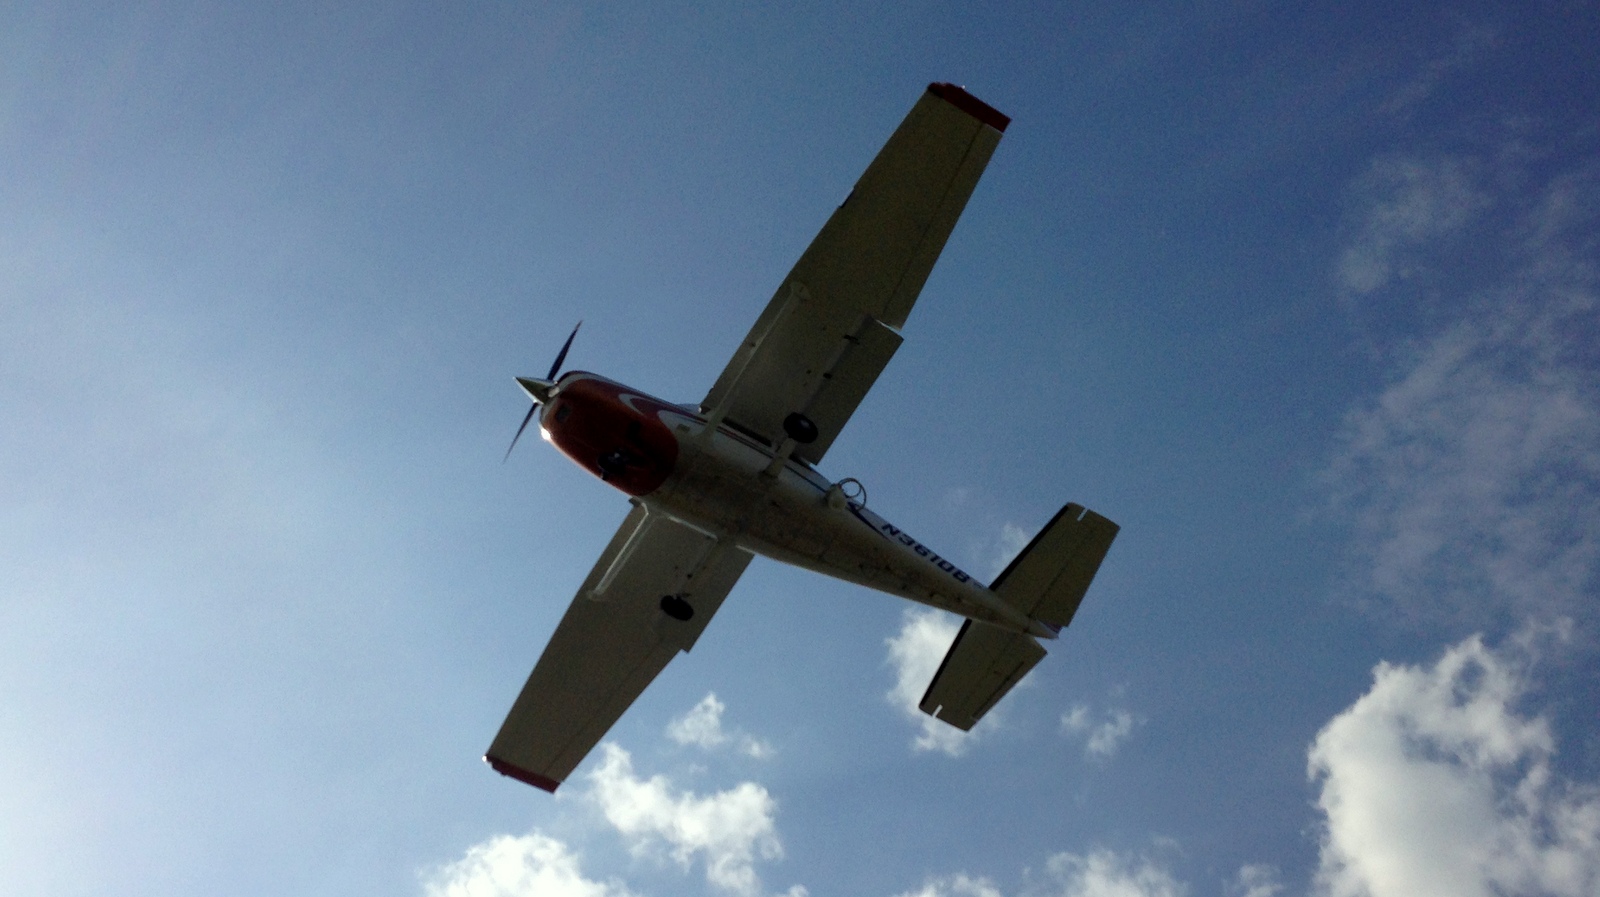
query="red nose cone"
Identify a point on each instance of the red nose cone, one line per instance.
(613, 432)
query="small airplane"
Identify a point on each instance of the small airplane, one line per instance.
(712, 485)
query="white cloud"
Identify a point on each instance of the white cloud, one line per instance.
(730, 829)
(702, 727)
(505, 866)
(1433, 784)
(1101, 739)
(915, 653)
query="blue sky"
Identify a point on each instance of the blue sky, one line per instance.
(1306, 300)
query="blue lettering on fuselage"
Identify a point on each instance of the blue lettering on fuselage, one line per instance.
(890, 531)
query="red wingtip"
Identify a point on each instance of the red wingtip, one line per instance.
(958, 97)
(522, 775)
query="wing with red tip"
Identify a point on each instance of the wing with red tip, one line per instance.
(651, 594)
(834, 323)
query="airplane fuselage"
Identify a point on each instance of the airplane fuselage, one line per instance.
(737, 487)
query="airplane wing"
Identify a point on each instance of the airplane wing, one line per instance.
(834, 323)
(619, 632)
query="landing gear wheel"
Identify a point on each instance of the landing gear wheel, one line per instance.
(800, 428)
(676, 608)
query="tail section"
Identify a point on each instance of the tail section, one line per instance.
(1047, 582)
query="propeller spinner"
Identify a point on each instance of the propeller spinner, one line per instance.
(541, 390)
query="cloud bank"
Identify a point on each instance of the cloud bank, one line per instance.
(1433, 784)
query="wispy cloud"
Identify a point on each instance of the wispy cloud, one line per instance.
(992, 540)
(1011, 541)
(1098, 873)
(958, 885)
(1433, 784)
(915, 652)
(1404, 203)
(1101, 733)
(1470, 45)
(1473, 483)
(702, 727)
(1105, 873)
(1473, 480)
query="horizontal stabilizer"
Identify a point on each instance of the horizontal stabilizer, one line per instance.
(981, 666)
(1048, 579)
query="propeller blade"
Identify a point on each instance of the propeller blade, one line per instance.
(540, 390)
(531, 409)
(562, 356)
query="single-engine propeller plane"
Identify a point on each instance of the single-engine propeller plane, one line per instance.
(714, 484)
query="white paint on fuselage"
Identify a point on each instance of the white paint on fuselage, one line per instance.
(718, 485)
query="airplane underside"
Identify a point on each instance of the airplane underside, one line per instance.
(789, 512)
(714, 484)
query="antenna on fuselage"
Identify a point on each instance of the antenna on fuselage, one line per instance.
(541, 390)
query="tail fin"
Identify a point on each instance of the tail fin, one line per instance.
(1048, 579)
(1047, 582)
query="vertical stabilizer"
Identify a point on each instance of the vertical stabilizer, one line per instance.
(1047, 581)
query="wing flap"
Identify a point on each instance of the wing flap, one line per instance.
(864, 356)
(983, 663)
(609, 647)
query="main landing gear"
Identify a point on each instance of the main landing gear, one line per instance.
(800, 428)
(676, 608)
